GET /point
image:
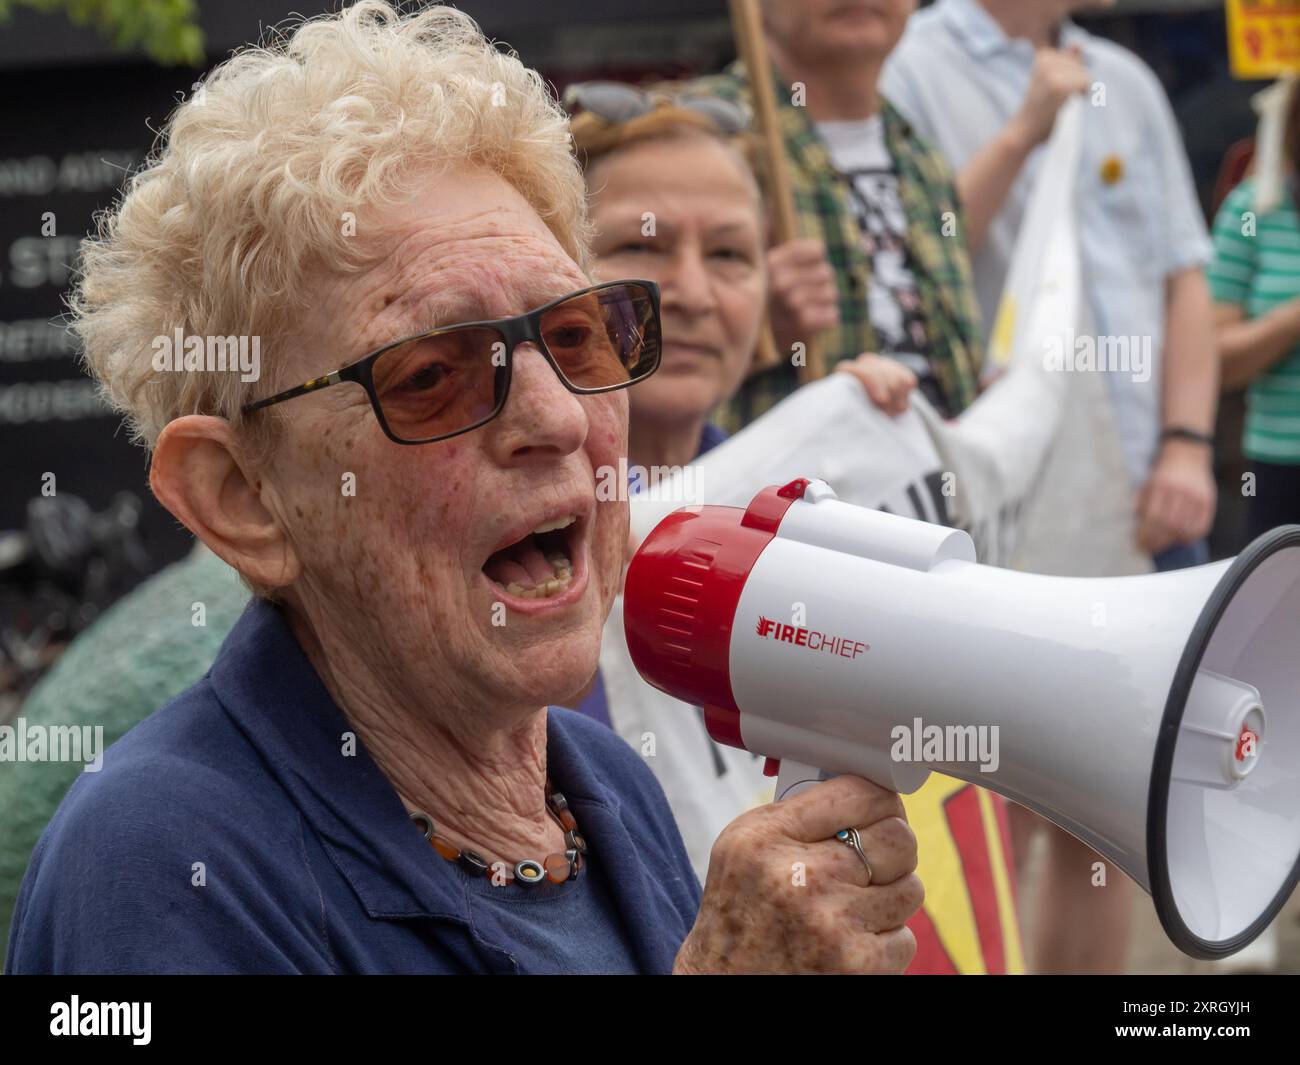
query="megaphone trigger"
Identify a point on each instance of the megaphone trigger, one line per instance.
(795, 777)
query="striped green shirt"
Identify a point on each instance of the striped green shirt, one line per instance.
(1257, 273)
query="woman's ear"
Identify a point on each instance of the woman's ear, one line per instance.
(197, 475)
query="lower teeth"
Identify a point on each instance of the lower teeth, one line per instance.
(547, 588)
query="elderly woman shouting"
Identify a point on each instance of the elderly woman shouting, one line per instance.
(369, 779)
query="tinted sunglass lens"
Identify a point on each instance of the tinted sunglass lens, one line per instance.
(435, 385)
(604, 338)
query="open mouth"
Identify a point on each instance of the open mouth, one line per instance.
(538, 566)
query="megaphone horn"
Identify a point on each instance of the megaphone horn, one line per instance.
(1156, 718)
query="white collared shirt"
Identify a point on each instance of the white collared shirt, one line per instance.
(959, 79)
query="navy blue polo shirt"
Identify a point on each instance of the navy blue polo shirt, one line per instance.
(230, 833)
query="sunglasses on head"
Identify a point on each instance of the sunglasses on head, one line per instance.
(616, 102)
(450, 380)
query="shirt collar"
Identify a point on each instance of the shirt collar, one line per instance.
(980, 34)
(1074, 34)
(275, 697)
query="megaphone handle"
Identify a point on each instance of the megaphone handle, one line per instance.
(794, 777)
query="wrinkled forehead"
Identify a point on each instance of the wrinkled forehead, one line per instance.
(465, 247)
(674, 178)
(486, 267)
(467, 228)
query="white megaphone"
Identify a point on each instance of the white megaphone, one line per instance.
(1157, 718)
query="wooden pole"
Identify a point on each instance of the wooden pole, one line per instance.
(751, 45)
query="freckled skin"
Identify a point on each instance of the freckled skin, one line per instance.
(384, 589)
(781, 897)
(391, 585)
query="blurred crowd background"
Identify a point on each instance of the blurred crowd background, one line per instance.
(74, 100)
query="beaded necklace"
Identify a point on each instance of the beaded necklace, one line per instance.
(557, 868)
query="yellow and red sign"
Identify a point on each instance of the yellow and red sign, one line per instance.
(1263, 37)
(968, 925)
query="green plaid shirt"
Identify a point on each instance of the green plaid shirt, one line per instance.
(824, 205)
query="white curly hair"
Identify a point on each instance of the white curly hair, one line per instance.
(253, 178)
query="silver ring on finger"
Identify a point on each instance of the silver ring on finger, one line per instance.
(850, 838)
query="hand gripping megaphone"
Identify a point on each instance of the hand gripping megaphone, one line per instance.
(1156, 718)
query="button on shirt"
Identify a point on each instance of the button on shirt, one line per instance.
(959, 79)
(244, 828)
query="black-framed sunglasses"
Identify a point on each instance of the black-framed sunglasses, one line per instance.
(450, 380)
(616, 102)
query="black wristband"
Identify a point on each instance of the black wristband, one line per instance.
(1178, 432)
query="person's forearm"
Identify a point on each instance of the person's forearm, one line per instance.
(1190, 390)
(1247, 348)
(985, 181)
